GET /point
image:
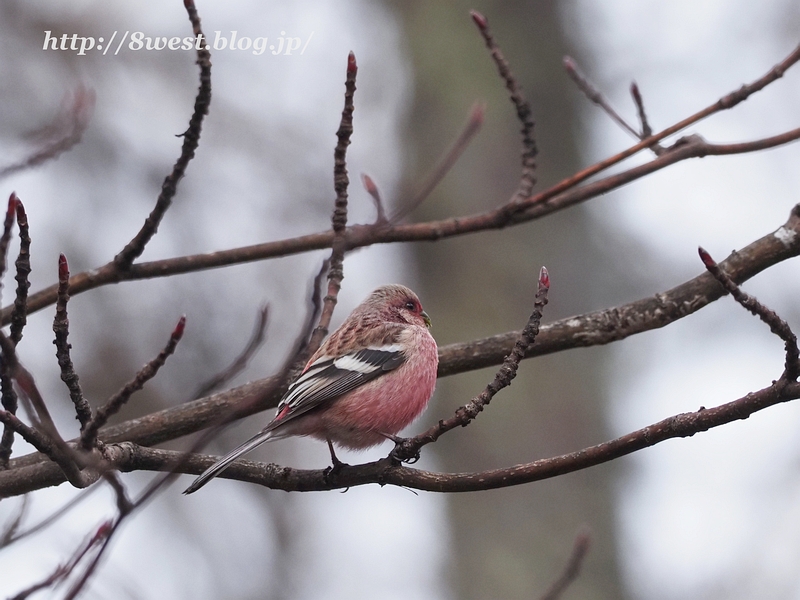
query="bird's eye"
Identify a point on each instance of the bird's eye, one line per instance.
(410, 305)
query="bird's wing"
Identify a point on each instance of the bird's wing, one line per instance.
(324, 379)
(328, 378)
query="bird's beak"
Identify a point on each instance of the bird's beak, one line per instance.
(426, 318)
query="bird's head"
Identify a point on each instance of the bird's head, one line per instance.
(398, 303)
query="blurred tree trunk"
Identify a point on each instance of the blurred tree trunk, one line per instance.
(510, 543)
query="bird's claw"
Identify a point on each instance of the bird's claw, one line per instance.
(333, 470)
(336, 465)
(402, 451)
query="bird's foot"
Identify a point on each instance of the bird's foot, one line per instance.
(336, 464)
(403, 451)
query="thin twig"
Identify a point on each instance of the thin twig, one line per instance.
(40, 414)
(647, 131)
(62, 134)
(339, 218)
(9, 395)
(573, 567)
(103, 539)
(725, 103)
(117, 401)
(54, 516)
(124, 504)
(9, 533)
(9, 402)
(64, 570)
(18, 315)
(776, 324)
(61, 330)
(372, 189)
(596, 96)
(23, 265)
(191, 140)
(450, 157)
(529, 150)
(240, 362)
(58, 453)
(408, 449)
(302, 348)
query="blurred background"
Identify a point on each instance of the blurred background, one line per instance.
(714, 516)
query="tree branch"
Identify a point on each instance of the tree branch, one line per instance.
(591, 329)
(118, 400)
(128, 456)
(554, 198)
(339, 218)
(61, 330)
(191, 140)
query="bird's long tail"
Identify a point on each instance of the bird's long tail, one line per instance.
(224, 462)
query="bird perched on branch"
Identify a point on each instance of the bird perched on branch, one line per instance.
(371, 378)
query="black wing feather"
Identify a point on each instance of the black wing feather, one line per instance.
(328, 378)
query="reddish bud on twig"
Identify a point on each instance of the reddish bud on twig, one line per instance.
(570, 66)
(188, 3)
(478, 114)
(706, 258)
(12, 206)
(352, 67)
(177, 333)
(63, 269)
(544, 278)
(583, 540)
(374, 192)
(105, 528)
(369, 185)
(479, 19)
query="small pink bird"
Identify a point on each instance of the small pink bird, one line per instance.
(371, 378)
